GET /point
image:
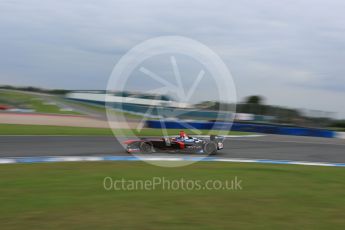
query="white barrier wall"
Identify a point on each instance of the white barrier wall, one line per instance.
(340, 135)
(99, 97)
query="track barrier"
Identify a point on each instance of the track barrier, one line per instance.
(257, 128)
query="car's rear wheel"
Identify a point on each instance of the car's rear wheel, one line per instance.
(210, 148)
(145, 147)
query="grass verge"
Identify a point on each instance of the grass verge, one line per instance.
(71, 196)
(101, 109)
(27, 100)
(13, 129)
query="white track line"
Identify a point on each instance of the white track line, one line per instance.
(159, 158)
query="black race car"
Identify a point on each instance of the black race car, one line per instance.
(182, 143)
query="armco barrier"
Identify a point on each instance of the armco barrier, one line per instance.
(272, 129)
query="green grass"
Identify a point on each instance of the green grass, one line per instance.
(71, 196)
(12, 129)
(30, 101)
(102, 109)
(337, 129)
(86, 105)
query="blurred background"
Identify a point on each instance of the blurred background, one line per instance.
(252, 110)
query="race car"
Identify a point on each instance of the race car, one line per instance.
(180, 144)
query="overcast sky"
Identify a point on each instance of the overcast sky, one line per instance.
(290, 51)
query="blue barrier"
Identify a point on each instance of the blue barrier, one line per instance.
(257, 128)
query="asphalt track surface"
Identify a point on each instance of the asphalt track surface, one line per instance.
(272, 147)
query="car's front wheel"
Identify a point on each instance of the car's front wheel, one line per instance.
(210, 148)
(145, 147)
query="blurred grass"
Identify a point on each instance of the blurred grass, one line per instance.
(337, 129)
(14, 129)
(101, 109)
(71, 196)
(25, 100)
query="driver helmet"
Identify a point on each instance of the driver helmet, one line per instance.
(183, 134)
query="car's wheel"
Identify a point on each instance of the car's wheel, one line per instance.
(210, 148)
(145, 147)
